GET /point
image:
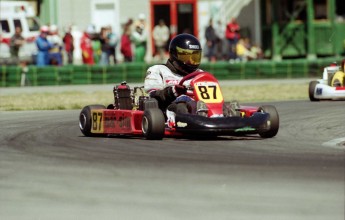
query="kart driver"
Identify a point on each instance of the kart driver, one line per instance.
(162, 81)
(338, 79)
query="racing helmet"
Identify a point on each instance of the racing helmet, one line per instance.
(185, 53)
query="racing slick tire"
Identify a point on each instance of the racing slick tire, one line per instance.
(312, 86)
(272, 122)
(85, 122)
(153, 124)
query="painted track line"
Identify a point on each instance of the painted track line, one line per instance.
(338, 143)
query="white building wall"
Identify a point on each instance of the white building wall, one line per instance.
(76, 13)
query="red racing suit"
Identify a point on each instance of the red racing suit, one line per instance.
(86, 49)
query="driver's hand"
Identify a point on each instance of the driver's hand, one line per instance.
(179, 90)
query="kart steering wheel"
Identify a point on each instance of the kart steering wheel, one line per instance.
(189, 76)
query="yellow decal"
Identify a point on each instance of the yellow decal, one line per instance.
(97, 125)
(208, 92)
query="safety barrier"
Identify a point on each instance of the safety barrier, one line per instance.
(135, 72)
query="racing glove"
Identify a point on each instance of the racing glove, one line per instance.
(167, 95)
(178, 90)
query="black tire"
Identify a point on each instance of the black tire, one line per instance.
(153, 124)
(312, 86)
(272, 122)
(85, 120)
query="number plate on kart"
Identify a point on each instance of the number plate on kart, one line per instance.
(208, 92)
(97, 121)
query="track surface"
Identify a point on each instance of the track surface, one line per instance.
(48, 170)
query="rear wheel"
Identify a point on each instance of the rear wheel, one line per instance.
(85, 120)
(270, 129)
(153, 124)
(312, 86)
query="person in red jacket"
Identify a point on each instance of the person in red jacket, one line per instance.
(69, 46)
(86, 48)
(232, 34)
(126, 44)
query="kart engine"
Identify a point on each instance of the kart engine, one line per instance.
(122, 97)
(125, 98)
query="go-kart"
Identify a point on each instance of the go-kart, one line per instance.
(135, 113)
(331, 86)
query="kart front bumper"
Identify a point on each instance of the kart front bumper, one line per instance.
(200, 125)
(323, 91)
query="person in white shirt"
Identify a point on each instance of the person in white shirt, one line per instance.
(161, 36)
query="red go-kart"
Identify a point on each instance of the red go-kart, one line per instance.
(134, 113)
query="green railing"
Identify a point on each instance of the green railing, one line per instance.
(135, 72)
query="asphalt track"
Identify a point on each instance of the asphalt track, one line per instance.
(48, 170)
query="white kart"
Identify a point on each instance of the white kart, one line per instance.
(331, 86)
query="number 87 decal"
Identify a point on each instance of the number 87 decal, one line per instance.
(97, 119)
(209, 94)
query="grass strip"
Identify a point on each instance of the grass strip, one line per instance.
(77, 99)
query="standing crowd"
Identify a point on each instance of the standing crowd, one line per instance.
(223, 42)
(101, 48)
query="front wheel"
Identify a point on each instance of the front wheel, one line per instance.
(311, 91)
(153, 124)
(270, 129)
(85, 118)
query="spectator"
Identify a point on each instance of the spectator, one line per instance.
(221, 45)
(96, 45)
(55, 53)
(69, 45)
(113, 41)
(105, 47)
(232, 34)
(126, 44)
(17, 41)
(96, 48)
(211, 40)
(256, 49)
(86, 47)
(43, 46)
(161, 36)
(242, 51)
(139, 38)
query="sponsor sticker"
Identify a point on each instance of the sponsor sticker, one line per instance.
(245, 129)
(191, 46)
(171, 81)
(319, 91)
(181, 124)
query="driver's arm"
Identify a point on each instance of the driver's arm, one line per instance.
(155, 86)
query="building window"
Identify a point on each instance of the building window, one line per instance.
(17, 23)
(320, 9)
(5, 26)
(340, 10)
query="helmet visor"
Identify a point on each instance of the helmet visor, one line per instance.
(191, 57)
